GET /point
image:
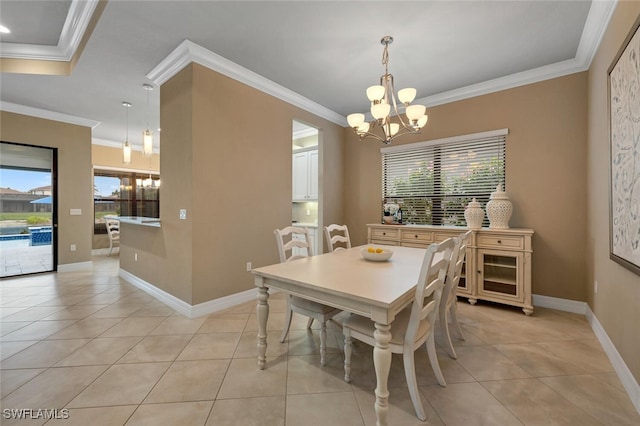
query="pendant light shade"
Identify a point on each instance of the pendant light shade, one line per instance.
(126, 146)
(147, 135)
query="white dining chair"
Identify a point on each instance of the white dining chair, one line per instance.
(113, 230)
(448, 302)
(305, 307)
(413, 326)
(337, 237)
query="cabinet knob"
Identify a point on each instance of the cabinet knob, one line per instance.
(499, 241)
(416, 236)
(384, 233)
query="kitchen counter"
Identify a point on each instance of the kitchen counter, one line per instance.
(138, 220)
(305, 224)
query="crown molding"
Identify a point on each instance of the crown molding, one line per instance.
(75, 25)
(188, 52)
(48, 115)
(106, 142)
(299, 134)
(597, 20)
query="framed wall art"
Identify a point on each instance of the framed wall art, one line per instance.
(624, 153)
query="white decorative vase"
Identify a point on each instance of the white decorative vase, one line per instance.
(474, 215)
(499, 209)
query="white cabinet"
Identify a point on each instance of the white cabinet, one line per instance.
(305, 175)
(498, 263)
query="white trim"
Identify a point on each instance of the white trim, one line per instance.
(75, 25)
(48, 115)
(309, 131)
(597, 22)
(188, 52)
(106, 142)
(190, 311)
(565, 305)
(443, 141)
(78, 266)
(624, 374)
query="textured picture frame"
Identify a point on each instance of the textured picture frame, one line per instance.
(624, 153)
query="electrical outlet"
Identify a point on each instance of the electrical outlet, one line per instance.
(72, 247)
(183, 214)
(135, 257)
(248, 266)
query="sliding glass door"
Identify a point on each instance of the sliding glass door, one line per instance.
(28, 214)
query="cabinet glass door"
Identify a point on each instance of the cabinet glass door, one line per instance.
(499, 274)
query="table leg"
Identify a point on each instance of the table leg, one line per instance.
(382, 364)
(262, 313)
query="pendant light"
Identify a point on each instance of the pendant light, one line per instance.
(126, 146)
(147, 135)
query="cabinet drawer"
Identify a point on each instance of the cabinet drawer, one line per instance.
(385, 242)
(440, 236)
(385, 233)
(500, 241)
(416, 236)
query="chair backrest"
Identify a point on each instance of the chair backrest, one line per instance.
(429, 288)
(455, 268)
(291, 240)
(338, 241)
(113, 229)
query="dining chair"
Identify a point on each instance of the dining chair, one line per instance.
(413, 326)
(113, 230)
(337, 237)
(305, 307)
(448, 302)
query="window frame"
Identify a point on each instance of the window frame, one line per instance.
(432, 204)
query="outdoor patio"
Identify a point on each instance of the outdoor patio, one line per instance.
(17, 257)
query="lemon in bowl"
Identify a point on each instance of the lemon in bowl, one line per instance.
(376, 254)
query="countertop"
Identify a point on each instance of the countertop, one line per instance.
(305, 224)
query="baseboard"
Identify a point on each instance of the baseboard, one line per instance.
(628, 381)
(186, 309)
(78, 266)
(624, 374)
(104, 251)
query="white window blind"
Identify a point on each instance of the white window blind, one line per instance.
(434, 181)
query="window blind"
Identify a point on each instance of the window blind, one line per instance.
(434, 181)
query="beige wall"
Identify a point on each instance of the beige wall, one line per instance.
(545, 173)
(233, 175)
(617, 303)
(75, 189)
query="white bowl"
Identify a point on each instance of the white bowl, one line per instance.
(376, 257)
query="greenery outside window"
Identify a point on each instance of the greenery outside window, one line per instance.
(434, 181)
(124, 193)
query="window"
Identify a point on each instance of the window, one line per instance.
(124, 193)
(434, 181)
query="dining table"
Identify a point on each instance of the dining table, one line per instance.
(346, 280)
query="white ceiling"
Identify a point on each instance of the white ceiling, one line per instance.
(326, 51)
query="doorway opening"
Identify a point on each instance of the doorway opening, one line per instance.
(306, 182)
(28, 213)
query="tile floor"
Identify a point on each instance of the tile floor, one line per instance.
(110, 354)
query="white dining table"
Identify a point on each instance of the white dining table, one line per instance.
(345, 280)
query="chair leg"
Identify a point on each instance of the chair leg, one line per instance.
(433, 359)
(323, 343)
(287, 324)
(412, 383)
(110, 247)
(444, 325)
(309, 322)
(454, 320)
(348, 347)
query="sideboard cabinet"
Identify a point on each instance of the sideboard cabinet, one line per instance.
(497, 266)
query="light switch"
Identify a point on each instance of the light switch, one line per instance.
(75, 212)
(183, 214)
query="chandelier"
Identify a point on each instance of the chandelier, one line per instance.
(383, 104)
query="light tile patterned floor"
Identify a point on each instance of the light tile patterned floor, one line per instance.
(112, 355)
